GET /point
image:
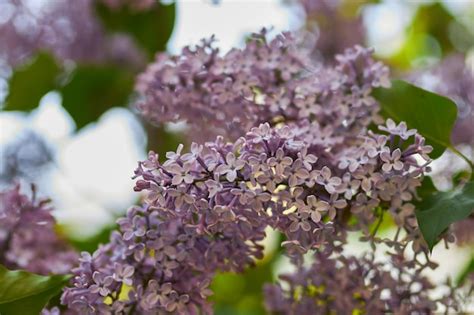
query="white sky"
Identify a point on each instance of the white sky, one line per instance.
(230, 21)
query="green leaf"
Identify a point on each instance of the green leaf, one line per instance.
(436, 212)
(469, 269)
(25, 293)
(431, 114)
(93, 89)
(30, 82)
(427, 188)
(150, 28)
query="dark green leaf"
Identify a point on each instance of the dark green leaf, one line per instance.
(431, 114)
(93, 89)
(436, 212)
(25, 293)
(30, 82)
(427, 188)
(150, 28)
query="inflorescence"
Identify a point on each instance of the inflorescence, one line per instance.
(27, 237)
(298, 155)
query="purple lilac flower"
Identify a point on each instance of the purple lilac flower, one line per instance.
(27, 237)
(69, 29)
(349, 284)
(305, 171)
(181, 244)
(202, 87)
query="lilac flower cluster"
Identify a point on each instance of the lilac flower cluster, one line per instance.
(207, 210)
(69, 29)
(27, 237)
(309, 167)
(267, 81)
(342, 284)
(150, 267)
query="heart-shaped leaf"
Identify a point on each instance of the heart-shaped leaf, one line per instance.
(437, 211)
(431, 114)
(23, 293)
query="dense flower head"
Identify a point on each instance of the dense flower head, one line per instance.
(207, 210)
(27, 236)
(344, 284)
(301, 150)
(151, 266)
(266, 81)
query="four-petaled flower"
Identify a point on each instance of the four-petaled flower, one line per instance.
(231, 167)
(391, 161)
(316, 208)
(330, 183)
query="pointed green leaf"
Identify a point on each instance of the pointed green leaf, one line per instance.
(24, 293)
(436, 212)
(30, 82)
(431, 114)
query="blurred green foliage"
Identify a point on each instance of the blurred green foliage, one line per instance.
(430, 35)
(236, 294)
(31, 81)
(242, 294)
(151, 28)
(93, 89)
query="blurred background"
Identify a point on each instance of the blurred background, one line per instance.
(67, 71)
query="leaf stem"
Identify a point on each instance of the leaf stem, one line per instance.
(462, 156)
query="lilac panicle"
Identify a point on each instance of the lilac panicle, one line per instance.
(27, 237)
(348, 284)
(207, 210)
(293, 152)
(266, 81)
